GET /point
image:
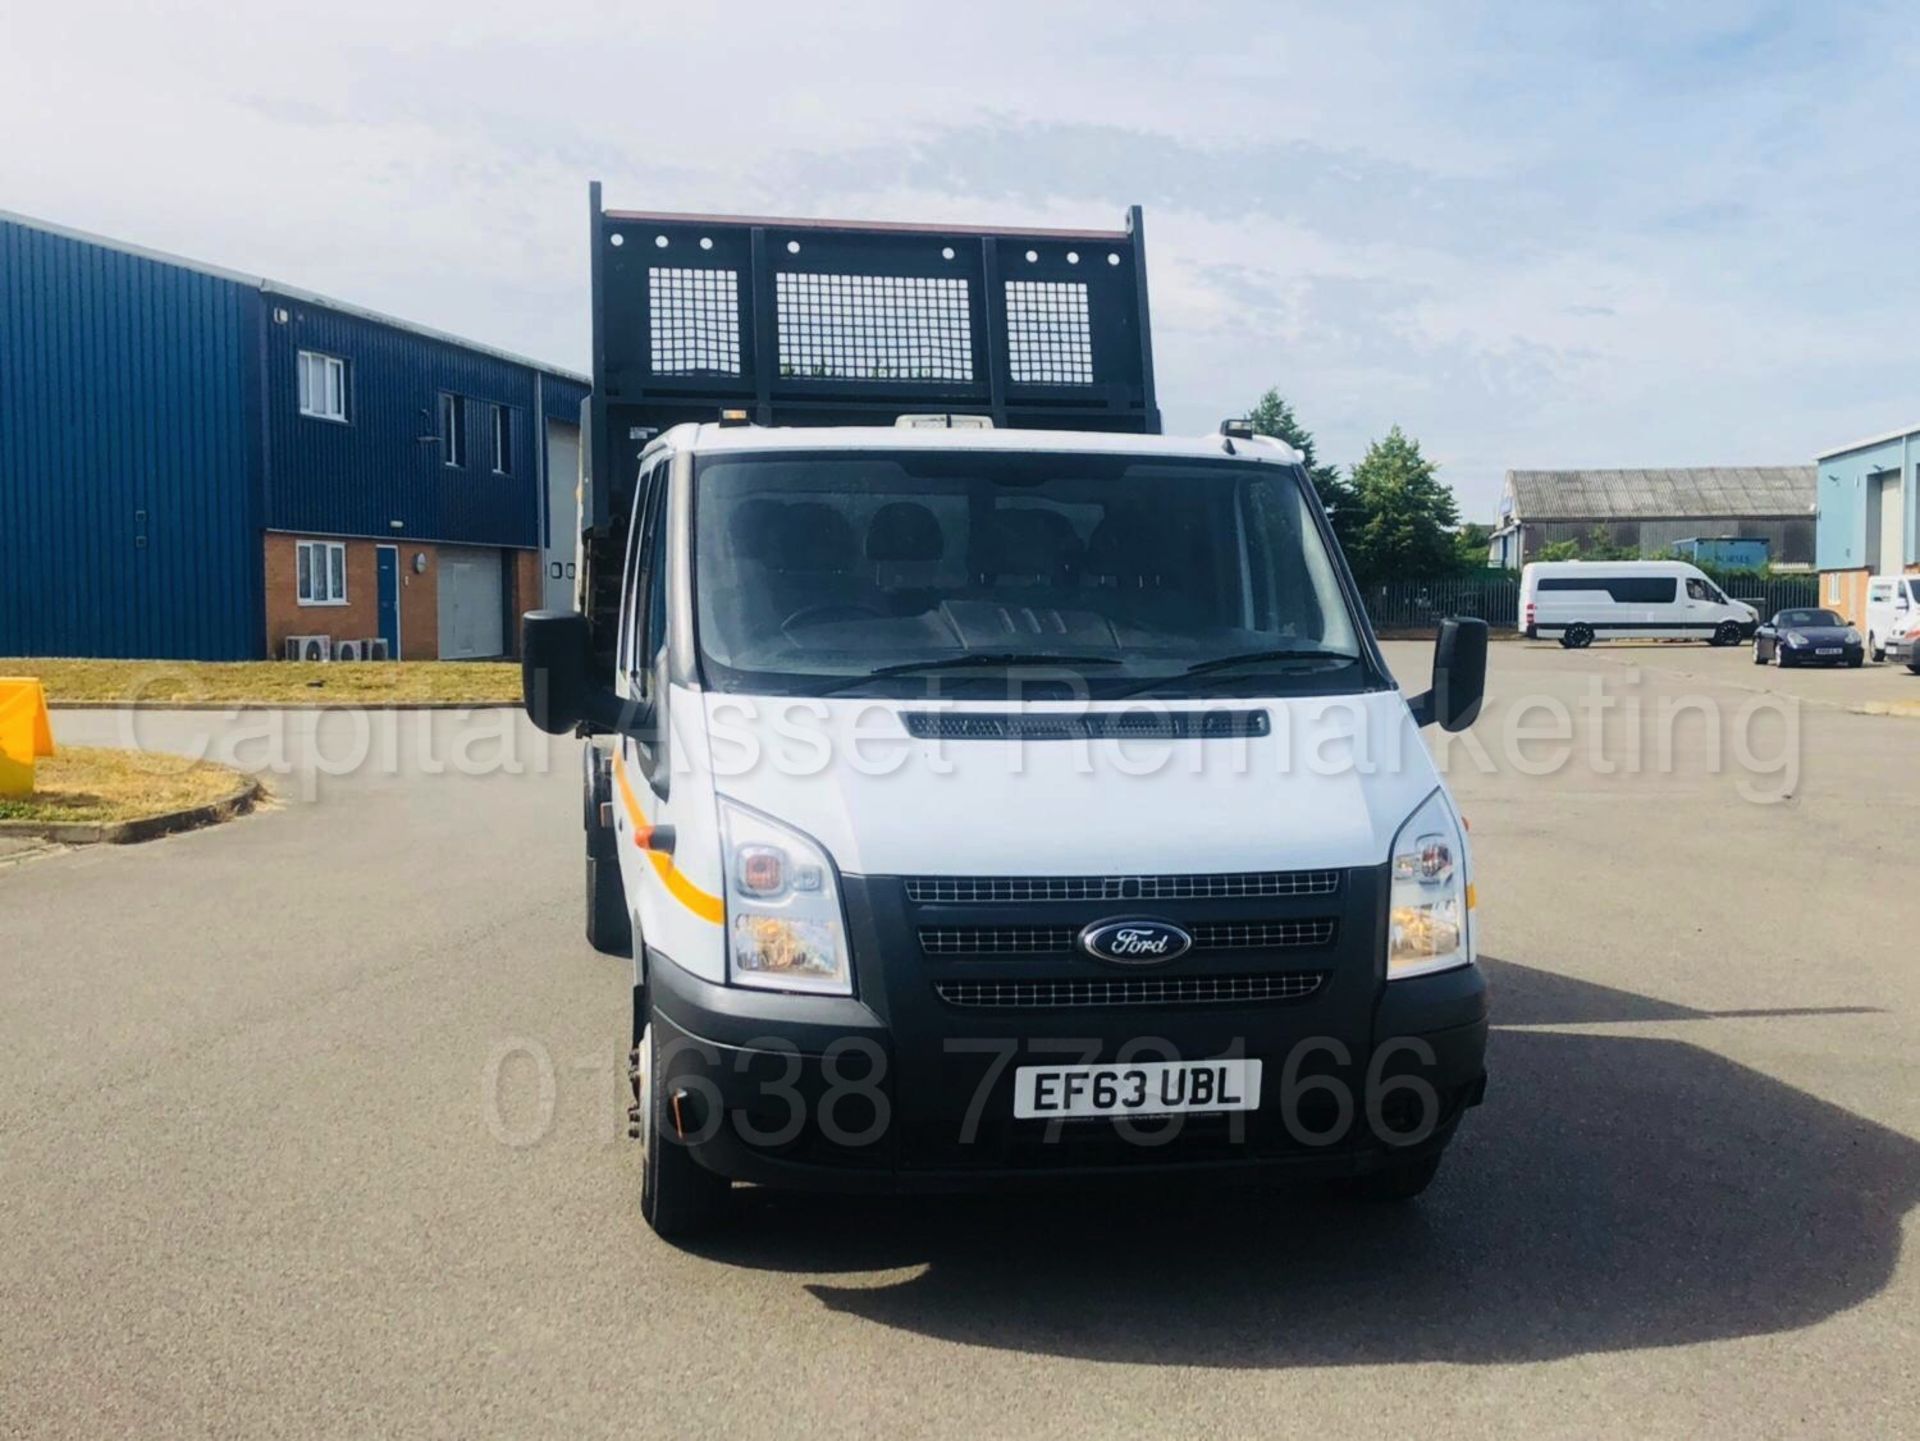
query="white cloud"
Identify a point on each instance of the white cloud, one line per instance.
(1530, 235)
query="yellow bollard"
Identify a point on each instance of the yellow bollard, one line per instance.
(25, 734)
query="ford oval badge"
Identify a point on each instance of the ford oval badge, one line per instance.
(1135, 943)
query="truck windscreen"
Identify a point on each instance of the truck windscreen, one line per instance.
(876, 572)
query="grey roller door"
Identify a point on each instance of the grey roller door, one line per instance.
(472, 604)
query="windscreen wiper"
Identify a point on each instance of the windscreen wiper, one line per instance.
(1251, 657)
(976, 658)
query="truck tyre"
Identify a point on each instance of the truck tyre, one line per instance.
(1727, 633)
(1400, 1181)
(1875, 649)
(1913, 661)
(679, 1198)
(1578, 637)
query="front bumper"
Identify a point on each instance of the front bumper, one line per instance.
(839, 1094)
(1808, 654)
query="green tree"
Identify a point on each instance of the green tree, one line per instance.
(1273, 416)
(1470, 545)
(1407, 517)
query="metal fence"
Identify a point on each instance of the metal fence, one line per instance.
(1778, 592)
(1423, 604)
(1420, 604)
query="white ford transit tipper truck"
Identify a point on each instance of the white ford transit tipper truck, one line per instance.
(987, 788)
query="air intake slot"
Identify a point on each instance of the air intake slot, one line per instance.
(1025, 994)
(1199, 886)
(1113, 725)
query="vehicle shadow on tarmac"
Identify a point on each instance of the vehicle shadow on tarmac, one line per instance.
(1615, 1192)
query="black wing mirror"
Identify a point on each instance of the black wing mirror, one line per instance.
(1459, 676)
(558, 686)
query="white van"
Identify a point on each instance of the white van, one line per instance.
(987, 788)
(1893, 604)
(1577, 602)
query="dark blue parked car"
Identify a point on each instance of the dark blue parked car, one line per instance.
(1808, 637)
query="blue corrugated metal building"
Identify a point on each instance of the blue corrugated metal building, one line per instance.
(199, 464)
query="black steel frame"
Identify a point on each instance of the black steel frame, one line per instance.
(891, 307)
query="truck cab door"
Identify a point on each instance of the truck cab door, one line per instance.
(641, 793)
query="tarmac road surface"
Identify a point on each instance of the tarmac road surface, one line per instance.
(312, 1124)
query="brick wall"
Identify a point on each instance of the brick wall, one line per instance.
(359, 617)
(1846, 592)
(287, 616)
(529, 593)
(419, 604)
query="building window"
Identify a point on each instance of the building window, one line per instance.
(502, 440)
(323, 386)
(453, 428)
(322, 565)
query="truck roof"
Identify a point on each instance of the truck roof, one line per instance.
(708, 438)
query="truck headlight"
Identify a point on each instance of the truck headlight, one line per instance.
(1427, 896)
(785, 931)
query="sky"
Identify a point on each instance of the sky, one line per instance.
(1532, 235)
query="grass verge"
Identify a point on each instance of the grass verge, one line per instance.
(89, 786)
(273, 682)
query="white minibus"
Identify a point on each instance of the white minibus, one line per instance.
(1577, 602)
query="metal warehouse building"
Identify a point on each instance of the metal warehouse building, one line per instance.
(1869, 517)
(196, 464)
(1655, 510)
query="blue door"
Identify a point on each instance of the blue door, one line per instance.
(388, 559)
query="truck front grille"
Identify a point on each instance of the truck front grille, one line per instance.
(1217, 886)
(1057, 940)
(1025, 994)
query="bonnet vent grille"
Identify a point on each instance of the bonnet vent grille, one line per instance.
(1117, 725)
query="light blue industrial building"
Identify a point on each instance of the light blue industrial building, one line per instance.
(1868, 521)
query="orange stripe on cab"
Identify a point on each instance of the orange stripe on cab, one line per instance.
(704, 904)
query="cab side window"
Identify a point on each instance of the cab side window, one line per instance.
(646, 610)
(629, 614)
(1697, 590)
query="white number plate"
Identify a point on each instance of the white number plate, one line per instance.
(1827, 650)
(1145, 1088)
